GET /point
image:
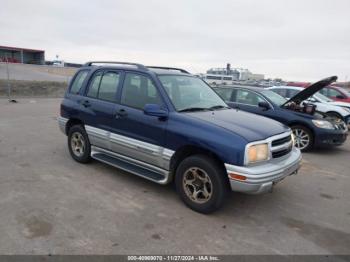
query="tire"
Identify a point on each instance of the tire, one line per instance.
(203, 175)
(77, 136)
(300, 134)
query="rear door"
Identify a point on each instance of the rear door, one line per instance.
(98, 106)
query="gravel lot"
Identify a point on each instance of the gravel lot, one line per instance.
(53, 205)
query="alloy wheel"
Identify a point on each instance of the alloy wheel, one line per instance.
(77, 144)
(302, 138)
(197, 185)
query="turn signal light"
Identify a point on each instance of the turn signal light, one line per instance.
(237, 177)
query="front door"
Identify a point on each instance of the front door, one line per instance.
(135, 134)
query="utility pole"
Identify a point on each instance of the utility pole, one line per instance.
(8, 82)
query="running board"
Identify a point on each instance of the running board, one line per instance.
(135, 167)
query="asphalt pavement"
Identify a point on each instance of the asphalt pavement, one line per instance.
(50, 204)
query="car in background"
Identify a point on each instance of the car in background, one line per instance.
(310, 129)
(336, 93)
(323, 104)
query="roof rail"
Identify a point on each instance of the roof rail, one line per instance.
(169, 68)
(139, 66)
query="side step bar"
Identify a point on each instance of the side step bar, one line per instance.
(133, 166)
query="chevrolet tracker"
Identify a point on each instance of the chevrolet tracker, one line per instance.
(165, 125)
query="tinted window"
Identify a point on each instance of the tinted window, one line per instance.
(78, 82)
(94, 85)
(104, 86)
(138, 91)
(225, 93)
(108, 86)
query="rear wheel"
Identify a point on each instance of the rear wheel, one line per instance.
(79, 144)
(303, 137)
(201, 183)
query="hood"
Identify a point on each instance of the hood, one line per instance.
(311, 90)
(247, 125)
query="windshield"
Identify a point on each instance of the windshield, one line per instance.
(191, 93)
(322, 98)
(274, 97)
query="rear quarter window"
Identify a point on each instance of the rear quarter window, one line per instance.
(78, 81)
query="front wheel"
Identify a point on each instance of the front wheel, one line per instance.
(201, 183)
(303, 137)
(79, 144)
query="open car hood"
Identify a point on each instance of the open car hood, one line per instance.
(311, 90)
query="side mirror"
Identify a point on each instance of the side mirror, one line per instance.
(264, 105)
(155, 110)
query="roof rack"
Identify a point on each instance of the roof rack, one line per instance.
(139, 66)
(169, 68)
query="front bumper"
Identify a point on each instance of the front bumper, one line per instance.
(261, 178)
(330, 138)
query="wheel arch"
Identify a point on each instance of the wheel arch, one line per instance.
(335, 113)
(190, 150)
(308, 126)
(72, 122)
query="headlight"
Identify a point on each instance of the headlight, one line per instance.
(257, 153)
(323, 124)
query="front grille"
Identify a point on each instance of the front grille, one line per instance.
(281, 153)
(281, 141)
(282, 146)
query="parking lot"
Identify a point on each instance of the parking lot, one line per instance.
(51, 204)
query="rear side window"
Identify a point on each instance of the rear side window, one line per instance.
(104, 86)
(78, 82)
(138, 91)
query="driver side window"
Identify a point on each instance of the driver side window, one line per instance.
(138, 90)
(248, 98)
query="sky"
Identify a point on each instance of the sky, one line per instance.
(297, 40)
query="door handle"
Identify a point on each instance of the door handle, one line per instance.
(121, 113)
(86, 103)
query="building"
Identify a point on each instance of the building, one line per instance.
(228, 75)
(225, 71)
(22, 55)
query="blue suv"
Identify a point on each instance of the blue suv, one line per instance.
(164, 124)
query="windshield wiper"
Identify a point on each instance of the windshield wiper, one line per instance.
(193, 109)
(217, 107)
